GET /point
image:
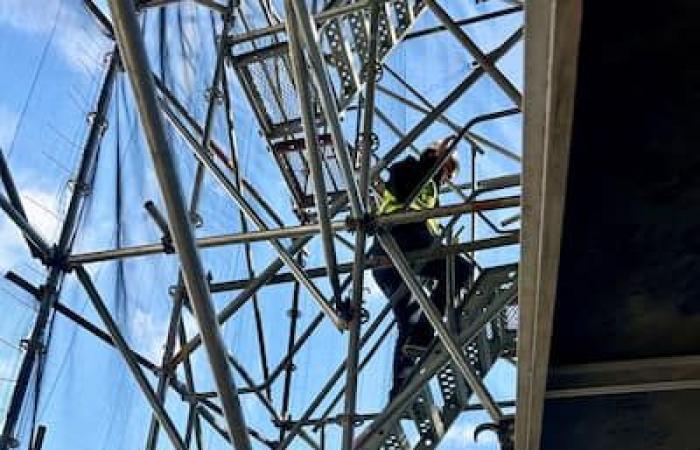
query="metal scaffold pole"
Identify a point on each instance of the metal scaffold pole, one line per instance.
(308, 33)
(119, 341)
(300, 75)
(355, 307)
(51, 289)
(136, 63)
(489, 66)
(178, 298)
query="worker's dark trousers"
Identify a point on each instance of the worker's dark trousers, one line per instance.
(410, 322)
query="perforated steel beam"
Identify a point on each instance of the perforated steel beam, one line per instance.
(309, 35)
(376, 432)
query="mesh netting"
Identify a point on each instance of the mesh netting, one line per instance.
(275, 89)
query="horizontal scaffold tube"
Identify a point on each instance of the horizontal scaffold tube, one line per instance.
(296, 231)
(375, 262)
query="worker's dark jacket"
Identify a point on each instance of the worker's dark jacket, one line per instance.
(404, 176)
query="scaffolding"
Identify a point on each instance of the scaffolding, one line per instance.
(313, 76)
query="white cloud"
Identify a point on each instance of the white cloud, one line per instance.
(41, 208)
(191, 326)
(33, 19)
(43, 212)
(71, 38)
(148, 334)
(12, 249)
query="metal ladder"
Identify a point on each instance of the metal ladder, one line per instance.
(347, 39)
(265, 76)
(344, 41)
(483, 341)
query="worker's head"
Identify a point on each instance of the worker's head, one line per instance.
(434, 152)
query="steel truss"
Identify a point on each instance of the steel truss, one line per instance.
(331, 61)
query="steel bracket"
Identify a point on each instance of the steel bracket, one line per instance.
(504, 429)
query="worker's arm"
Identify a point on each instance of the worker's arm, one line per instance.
(407, 174)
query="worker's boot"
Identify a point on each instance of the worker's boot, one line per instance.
(420, 333)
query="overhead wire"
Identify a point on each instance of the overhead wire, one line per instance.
(33, 84)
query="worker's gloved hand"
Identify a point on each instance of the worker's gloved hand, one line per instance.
(449, 167)
(441, 145)
(445, 143)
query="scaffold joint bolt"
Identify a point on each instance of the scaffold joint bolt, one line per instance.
(366, 222)
(168, 246)
(26, 345)
(57, 259)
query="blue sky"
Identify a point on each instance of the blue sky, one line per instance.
(57, 58)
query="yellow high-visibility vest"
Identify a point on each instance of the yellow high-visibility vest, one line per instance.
(427, 198)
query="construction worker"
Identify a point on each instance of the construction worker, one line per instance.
(404, 178)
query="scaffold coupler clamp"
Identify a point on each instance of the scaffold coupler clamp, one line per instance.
(30, 347)
(365, 222)
(176, 291)
(196, 219)
(8, 442)
(57, 259)
(345, 419)
(167, 243)
(504, 429)
(347, 311)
